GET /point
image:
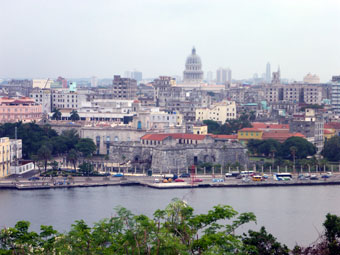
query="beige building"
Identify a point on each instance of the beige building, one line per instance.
(311, 79)
(42, 83)
(200, 130)
(295, 93)
(221, 112)
(5, 157)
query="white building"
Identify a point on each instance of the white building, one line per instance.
(223, 75)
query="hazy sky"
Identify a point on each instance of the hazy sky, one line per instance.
(82, 38)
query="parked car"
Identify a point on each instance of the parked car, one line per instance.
(265, 176)
(325, 176)
(302, 177)
(314, 177)
(228, 175)
(156, 181)
(185, 175)
(217, 180)
(33, 178)
(118, 175)
(179, 180)
(198, 180)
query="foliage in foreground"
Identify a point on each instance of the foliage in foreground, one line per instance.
(175, 230)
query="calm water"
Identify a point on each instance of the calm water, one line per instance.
(292, 214)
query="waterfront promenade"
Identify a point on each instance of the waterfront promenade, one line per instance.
(150, 181)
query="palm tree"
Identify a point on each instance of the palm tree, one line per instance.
(56, 114)
(293, 151)
(273, 151)
(74, 115)
(44, 154)
(72, 157)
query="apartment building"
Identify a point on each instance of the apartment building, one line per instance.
(221, 112)
(124, 88)
(19, 109)
(5, 159)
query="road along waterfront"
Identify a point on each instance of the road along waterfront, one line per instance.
(293, 214)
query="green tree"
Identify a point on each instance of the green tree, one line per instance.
(56, 114)
(263, 243)
(303, 148)
(59, 145)
(253, 146)
(44, 154)
(293, 151)
(86, 168)
(71, 138)
(72, 157)
(74, 115)
(331, 149)
(86, 146)
(213, 126)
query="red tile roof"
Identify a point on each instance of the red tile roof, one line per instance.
(261, 125)
(224, 136)
(280, 136)
(335, 125)
(250, 130)
(326, 131)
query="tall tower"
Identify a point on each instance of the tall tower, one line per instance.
(268, 73)
(276, 77)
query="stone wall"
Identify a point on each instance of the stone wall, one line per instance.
(177, 157)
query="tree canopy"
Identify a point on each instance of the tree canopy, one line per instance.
(230, 126)
(331, 149)
(172, 231)
(301, 146)
(34, 137)
(56, 114)
(74, 115)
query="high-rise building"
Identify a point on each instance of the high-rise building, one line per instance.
(276, 77)
(138, 76)
(193, 68)
(229, 75)
(336, 94)
(127, 74)
(210, 76)
(268, 73)
(124, 88)
(94, 82)
(223, 75)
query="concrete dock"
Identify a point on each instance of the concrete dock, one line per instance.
(207, 182)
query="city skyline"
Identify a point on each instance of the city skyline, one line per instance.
(84, 39)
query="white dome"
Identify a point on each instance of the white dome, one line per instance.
(193, 59)
(193, 68)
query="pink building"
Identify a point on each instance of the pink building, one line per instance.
(19, 109)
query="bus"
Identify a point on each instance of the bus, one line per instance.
(246, 173)
(282, 176)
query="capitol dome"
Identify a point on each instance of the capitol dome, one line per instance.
(193, 68)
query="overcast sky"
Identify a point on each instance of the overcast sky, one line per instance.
(82, 38)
